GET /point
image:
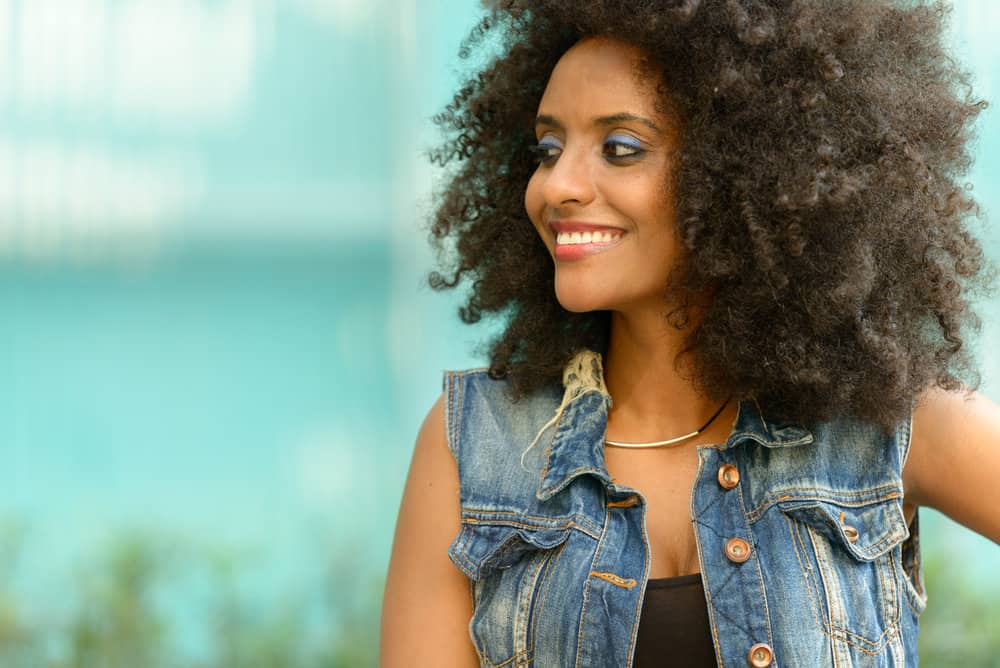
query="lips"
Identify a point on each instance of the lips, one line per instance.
(566, 252)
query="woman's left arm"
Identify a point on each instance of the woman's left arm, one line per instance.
(954, 460)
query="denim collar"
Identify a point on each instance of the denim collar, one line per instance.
(577, 444)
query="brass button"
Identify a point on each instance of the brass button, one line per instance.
(760, 655)
(738, 550)
(849, 531)
(729, 476)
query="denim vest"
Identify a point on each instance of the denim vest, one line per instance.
(805, 555)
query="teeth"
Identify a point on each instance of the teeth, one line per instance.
(568, 238)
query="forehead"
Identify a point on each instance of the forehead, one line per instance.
(600, 74)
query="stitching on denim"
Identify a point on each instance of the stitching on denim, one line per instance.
(892, 536)
(494, 556)
(634, 632)
(453, 383)
(886, 571)
(529, 584)
(733, 574)
(586, 588)
(701, 557)
(459, 403)
(466, 566)
(521, 525)
(799, 544)
(576, 519)
(532, 576)
(813, 492)
(708, 526)
(500, 665)
(468, 627)
(459, 550)
(807, 575)
(910, 594)
(760, 575)
(714, 500)
(816, 494)
(916, 599)
(734, 622)
(844, 635)
(553, 561)
(479, 644)
(831, 592)
(448, 414)
(454, 387)
(569, 474)
(886, 539)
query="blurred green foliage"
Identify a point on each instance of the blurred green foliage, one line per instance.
(959, 627)
(117, 619)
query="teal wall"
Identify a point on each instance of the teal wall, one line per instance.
(218, 348)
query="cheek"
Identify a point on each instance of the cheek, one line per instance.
(648, 204)
(533, 202)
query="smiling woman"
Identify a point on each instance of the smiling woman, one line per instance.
(733, 261)
(602, 160)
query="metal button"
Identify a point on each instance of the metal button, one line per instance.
(737, 550)
(760, 655)
(849, 531)
(729, 476)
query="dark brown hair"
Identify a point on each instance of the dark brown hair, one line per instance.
(818, 189)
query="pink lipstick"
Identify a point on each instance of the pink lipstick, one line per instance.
(580, 240)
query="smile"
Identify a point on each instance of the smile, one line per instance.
(575, 245)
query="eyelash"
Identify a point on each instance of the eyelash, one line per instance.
(540, 152)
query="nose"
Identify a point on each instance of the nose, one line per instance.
(569, 180)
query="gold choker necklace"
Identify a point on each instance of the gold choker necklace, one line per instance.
(671, 441)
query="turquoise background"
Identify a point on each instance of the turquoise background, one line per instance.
(217, 344)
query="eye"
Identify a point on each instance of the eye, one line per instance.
(622, 148)
(544, 152)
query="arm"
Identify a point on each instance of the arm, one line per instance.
(954, 459)
(427, 603)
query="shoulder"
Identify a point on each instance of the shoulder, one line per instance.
(948, 421)
(954, 458)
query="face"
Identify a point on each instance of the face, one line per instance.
(604, 153)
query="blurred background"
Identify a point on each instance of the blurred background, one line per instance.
(218, 346)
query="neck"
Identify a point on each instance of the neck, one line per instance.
(655, 396)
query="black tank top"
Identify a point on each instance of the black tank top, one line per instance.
(673, 626)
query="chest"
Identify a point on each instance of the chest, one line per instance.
(665, 480)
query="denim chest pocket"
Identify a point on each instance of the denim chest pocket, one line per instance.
(849, 558)
(510, 565)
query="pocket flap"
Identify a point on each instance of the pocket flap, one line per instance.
(480, 549)
(866, 531)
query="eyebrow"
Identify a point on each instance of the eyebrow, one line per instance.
(613, 119)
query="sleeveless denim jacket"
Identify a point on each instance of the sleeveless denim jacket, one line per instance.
(804, 551)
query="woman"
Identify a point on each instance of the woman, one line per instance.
(731, 367)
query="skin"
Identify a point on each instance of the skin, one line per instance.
(954, 454)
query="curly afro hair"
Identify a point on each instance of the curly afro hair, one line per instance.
(818, 195)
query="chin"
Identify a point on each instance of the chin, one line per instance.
(574, 302)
